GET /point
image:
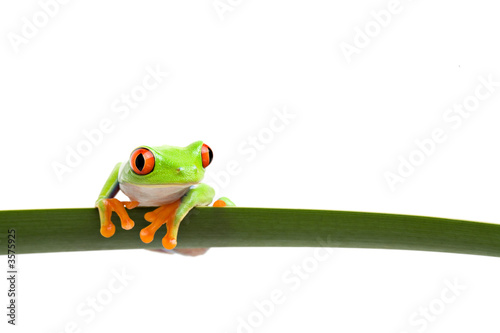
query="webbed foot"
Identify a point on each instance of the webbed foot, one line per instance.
(171, 215)
(164, 214)
(107, 207)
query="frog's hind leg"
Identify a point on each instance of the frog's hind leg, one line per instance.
(223, 202)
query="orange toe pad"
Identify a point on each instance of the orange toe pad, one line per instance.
(219, 203)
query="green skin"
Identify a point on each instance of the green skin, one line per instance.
(173, 166)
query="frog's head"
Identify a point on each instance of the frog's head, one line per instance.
(165, 165)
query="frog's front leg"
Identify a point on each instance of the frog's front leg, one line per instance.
(107, 204)
(172, 214)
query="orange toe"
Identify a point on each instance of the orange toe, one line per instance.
(131, 204)
(127, 224)
(108, 230)
(169, 243)
(147, 236)
(219, 203)
(150, 216)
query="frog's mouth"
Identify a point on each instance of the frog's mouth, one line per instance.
(155, 194)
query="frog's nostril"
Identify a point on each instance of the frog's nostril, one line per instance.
(180, 169)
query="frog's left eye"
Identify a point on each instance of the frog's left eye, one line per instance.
(206, 155)
(142, 161)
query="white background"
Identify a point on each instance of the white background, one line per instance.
(227, 73)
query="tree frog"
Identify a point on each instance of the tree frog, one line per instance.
(164, 176)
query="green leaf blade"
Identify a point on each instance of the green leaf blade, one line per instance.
(61, 230)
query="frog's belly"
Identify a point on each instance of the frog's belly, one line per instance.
(154, 195)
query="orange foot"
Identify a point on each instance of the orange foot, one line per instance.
(107, 207)
(162, 215)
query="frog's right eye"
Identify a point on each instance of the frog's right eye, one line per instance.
(142, 161)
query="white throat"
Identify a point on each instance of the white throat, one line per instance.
(154, 195)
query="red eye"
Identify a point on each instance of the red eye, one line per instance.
(206, 155)
(142, 161)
